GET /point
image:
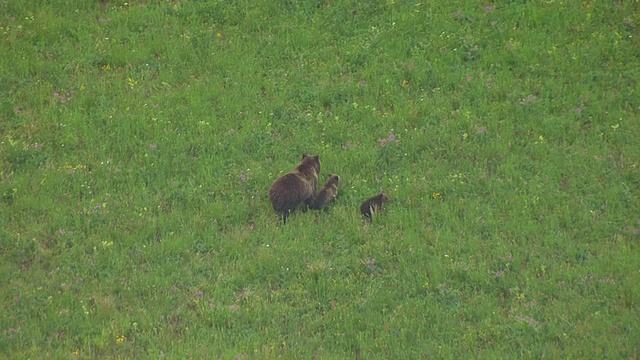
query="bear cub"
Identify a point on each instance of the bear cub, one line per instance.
(373, 205)
(327, 194)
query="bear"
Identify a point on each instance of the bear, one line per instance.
(373, 205)
(296, 187)
(327, 194)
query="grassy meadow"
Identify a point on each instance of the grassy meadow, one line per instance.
(138, 141)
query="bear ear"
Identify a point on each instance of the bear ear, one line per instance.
(304, 155)
(317, 157)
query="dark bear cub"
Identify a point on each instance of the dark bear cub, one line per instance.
(296, 187)
(373, 205)
(327, 194)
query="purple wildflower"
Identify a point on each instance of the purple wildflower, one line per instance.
(391, 138)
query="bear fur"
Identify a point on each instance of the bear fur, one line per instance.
(327, 194)
(373, 205)
(296, 187)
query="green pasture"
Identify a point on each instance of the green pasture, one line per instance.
(138, 141)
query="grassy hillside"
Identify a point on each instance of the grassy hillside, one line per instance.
(138, 141)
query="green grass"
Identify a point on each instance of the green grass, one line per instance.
(138, 141)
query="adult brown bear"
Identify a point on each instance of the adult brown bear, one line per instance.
(296, 187)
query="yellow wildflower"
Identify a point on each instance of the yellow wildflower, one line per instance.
(132, 82)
